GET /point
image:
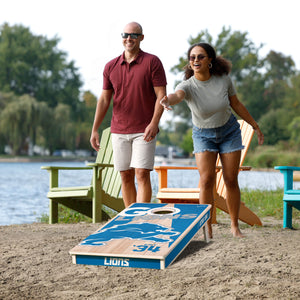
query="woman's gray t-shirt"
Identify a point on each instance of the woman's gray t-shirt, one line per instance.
(208, 100)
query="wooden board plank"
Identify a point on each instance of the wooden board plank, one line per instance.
(145, 235)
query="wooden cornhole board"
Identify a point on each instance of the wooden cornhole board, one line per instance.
(144, 235)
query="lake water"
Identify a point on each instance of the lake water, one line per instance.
(24, 186)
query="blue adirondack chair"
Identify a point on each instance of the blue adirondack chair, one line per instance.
(291, 196)
(89, 200)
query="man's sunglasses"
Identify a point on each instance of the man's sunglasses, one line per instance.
(132, 35)
(199, 57)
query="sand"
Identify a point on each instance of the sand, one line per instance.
(35, 264)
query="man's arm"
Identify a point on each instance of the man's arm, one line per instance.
(152, 129)
(101, 110)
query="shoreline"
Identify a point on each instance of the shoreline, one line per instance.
(177, 161)
(20, 159)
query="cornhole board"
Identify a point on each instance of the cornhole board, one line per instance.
(144, 235)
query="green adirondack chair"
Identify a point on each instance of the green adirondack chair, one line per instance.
(89, 200)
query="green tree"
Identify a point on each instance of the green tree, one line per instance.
(291, 100)
(279, 69)
(274, 126)
(63, 130)
(34, 65)
(294, 129)
(19, 121)
(278, 66)
(251, 91)
(83, 129)
(187, 142)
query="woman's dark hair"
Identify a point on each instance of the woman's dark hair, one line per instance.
(220, 65)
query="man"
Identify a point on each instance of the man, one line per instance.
(137, 82)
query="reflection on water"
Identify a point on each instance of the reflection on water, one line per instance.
(24, 186)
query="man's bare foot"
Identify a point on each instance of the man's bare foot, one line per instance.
(236, 232)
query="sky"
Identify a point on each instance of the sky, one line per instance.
(90, 30)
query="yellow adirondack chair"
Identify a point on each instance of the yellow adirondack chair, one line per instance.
(89, 200)
(191, 195)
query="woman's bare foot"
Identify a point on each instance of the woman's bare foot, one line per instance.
(236, 232)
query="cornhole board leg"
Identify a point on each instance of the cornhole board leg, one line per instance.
(144, 235)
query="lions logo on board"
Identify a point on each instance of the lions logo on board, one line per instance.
(138, 231)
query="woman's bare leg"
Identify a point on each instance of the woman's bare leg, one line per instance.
(230, 164)
(206, 163)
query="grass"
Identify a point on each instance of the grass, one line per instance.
(264, 203)
(66, 215)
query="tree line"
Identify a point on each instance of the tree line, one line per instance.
(41, 100)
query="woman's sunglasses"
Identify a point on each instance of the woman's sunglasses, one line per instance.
(199, 57)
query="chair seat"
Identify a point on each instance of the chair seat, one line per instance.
(292, 192)
(80, 192)
(194, 197)
(74, 188)
(180, 190)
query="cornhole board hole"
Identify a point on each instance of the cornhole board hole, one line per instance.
(144, 235)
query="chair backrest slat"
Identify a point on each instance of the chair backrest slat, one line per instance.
(111, 180)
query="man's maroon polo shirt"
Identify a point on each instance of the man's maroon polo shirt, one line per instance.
(134, 96)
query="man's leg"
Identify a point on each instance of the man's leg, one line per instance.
(143, 162)
(128, 187)
(122, 149)
(144, 185)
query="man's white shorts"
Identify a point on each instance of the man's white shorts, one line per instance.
(132, 151)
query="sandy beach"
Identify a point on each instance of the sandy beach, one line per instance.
(35, 264)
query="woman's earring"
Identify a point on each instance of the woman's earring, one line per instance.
(209, 65)
(189, 67)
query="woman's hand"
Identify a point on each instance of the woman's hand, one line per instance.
(165, 103)
(260, 136)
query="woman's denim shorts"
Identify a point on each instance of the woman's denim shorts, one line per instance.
(224, 139)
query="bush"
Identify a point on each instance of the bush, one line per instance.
(268, 157)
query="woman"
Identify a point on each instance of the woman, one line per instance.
(210, 95)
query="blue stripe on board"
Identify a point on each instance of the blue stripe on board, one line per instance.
(118, 261)
(184, 242)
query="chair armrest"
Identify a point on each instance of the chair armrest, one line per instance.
(163, 172)
(245, 168)
(175, 168)
(287, 168)
(100, 165)
(54, 171)
(50, 168)
(287, 172)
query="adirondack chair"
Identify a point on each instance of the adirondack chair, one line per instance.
(89, 200)
(191, 195)
(291, 196)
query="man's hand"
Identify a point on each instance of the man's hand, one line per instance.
(150, 133)
(94, 140)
